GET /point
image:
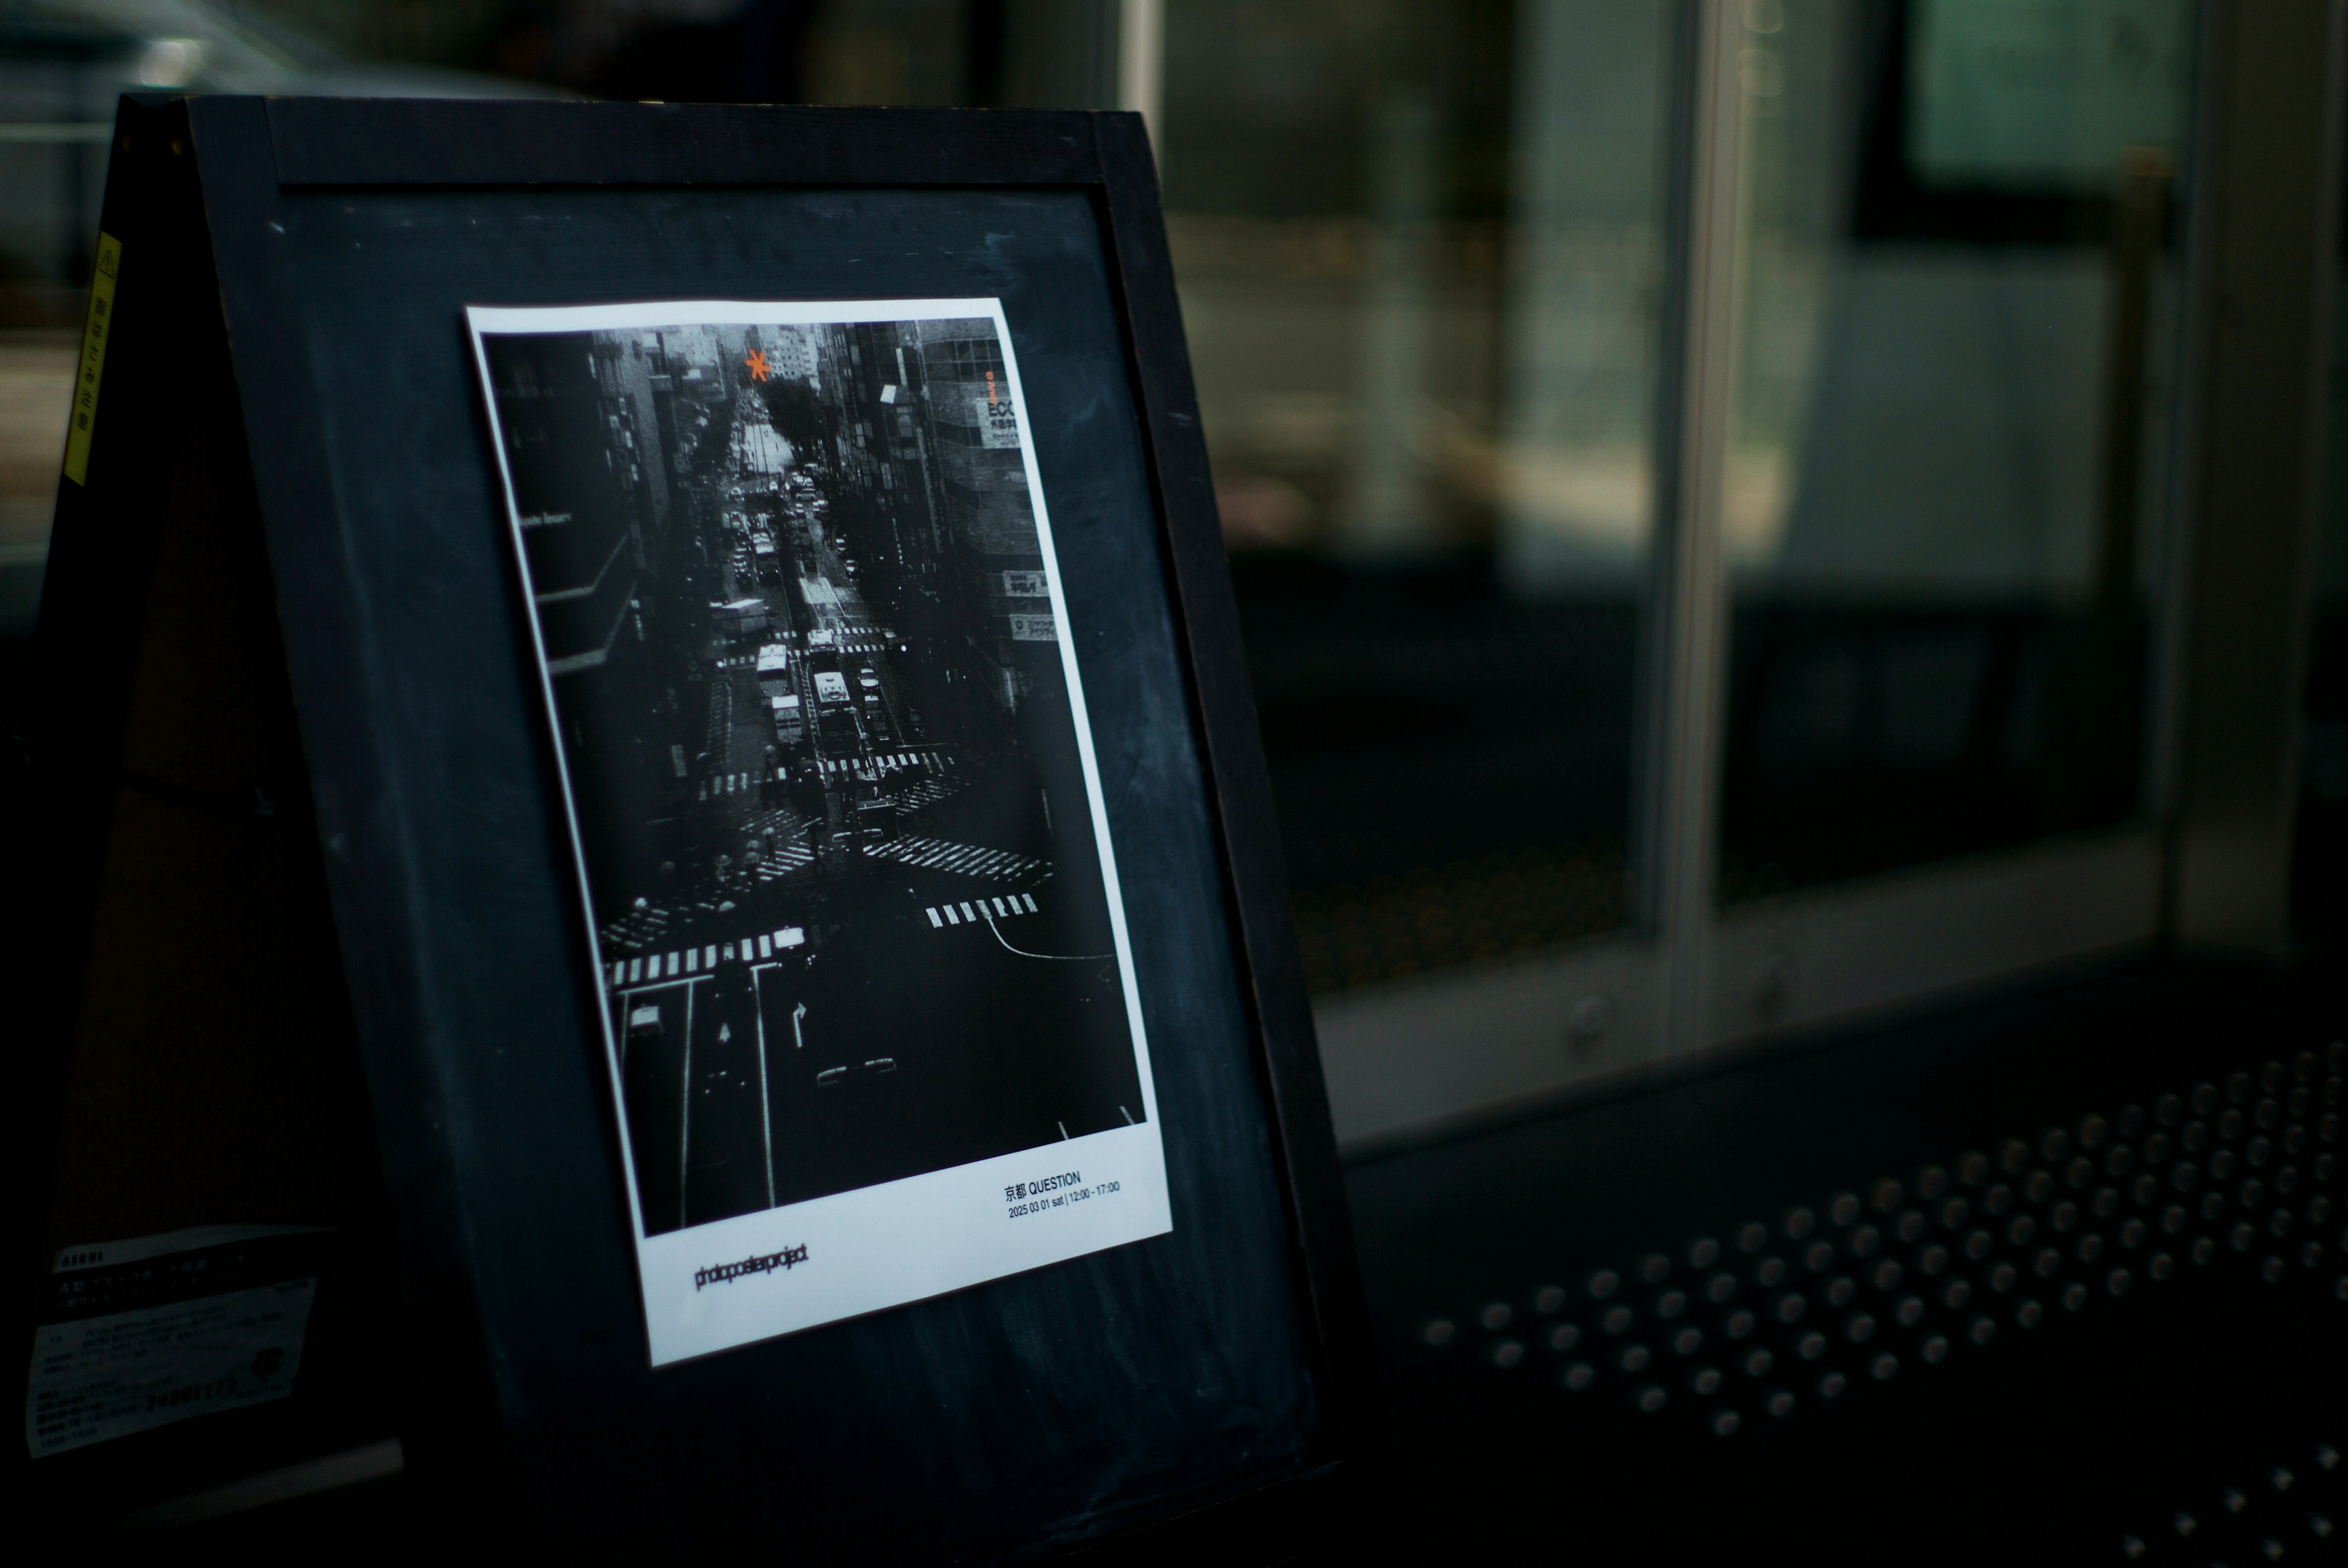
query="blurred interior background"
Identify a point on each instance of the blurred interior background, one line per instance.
(1426, 255)
(1817, 524)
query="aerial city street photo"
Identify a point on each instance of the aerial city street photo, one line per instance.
(813, 709)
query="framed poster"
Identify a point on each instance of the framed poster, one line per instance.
(804, 645)
(752, 725)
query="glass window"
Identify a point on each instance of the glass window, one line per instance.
(58, 77)
(1422, 259)
(1421, 254)
(1947, 485)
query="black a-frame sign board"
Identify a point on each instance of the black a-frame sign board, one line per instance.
(332, 975)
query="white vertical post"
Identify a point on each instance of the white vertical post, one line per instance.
(1692, 593)
(1141, 61)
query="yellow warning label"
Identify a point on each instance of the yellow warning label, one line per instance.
(93, 358)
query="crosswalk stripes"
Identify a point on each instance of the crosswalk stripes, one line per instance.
(686, 963)
(929, 792)
(735, 783)
(784, 861)
(936, 762)
(964, 859)
(1002, 908)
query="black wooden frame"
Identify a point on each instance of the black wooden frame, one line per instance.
(239, 156)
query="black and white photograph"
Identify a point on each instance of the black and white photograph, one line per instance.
(868, 999)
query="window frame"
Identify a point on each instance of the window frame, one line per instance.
(1406, 1061)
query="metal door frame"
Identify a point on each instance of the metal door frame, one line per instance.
(2205, 862)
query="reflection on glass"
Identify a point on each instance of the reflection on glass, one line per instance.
(1945, 480)
(58, 85)
(1420, 258)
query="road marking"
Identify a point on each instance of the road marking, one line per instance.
(964, 859)
(967, 912)
(1007, 908)
(766, 1097)
(684, 1119)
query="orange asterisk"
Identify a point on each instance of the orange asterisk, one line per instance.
(758, 364)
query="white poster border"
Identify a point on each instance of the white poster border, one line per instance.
(714, 1286)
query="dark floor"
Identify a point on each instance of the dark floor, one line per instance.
(2190, 1410)
(2124, 1407)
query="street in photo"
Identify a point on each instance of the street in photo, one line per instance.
(839, 829)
